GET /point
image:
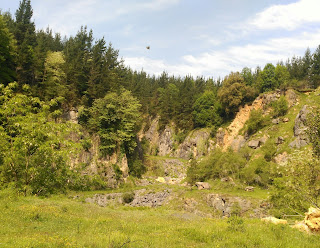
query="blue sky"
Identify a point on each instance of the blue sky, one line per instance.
(189, 37)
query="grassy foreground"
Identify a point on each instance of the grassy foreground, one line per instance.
(62, 222)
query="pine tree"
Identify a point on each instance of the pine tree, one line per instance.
(24, 32)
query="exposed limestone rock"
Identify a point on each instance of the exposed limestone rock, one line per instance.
(152, 134)
(71, 116)
(104, 200)
(285, 120)
(279, 140)
(302, 227)
(275, 121)
(149, 199)
(238, 143)
(300, 128)
(226, 205)
(312, 219)
(254, 144)
(203, 185)
(220, 137)
(249, 188)
(195, 145)
(291, 97)
(274, 220)
(165, 141)
(281, 158)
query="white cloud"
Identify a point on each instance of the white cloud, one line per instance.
(233, 58)
(289, 16)
(68, 16)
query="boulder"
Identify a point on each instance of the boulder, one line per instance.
(143, 199)
(274, 220)
(312, 219)
(226, 205)
(254, 144)
(285, 120)
(279, 140)
(300, 128)
(203, 185)
(291, 97)
(302, 227)
(249, 188)
(237, 143)
(275, 121)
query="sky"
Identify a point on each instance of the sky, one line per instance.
(207, 38)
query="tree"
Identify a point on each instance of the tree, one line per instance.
(206, 110)
(282, 76)
(115, 118)
(34, 148)
(7, 54)
(267, 78)
(54, 80)
(315, 69)
(26, 40)
(234, 93)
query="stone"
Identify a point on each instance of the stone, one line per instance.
(238, 143)
(312, 219)
(161, 180)
(254, 144)
(220, 136)
(274, 220)
(298, 143)
(249, 188)
(281, 158)
(226, 205)
(291, 97)
(226, 179)
(263, 140)
(302, 227)
(279, 140)
(285, 120)
(203, 185)
(275, 121)
(166, 142)
(143, 199)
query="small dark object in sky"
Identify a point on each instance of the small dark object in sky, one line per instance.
(148, 47)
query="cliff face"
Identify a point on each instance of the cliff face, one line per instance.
(163, 143)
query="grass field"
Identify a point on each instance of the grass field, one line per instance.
(59, 221)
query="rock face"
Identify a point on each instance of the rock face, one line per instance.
(291, 97)
(149, 199)
(227, 205)
(166, 141)
(312, 219)
(141, 198)
(254, 144)
(195, 145)
(300, 129)
(104, 200)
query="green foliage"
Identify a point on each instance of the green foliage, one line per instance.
(314, 131)
(280, 107)
(297, 185)
(115, 119)
(7, 54)
(128, 197)
(206, 110)
(282, 76)
(267, 78)
(256, 121)
(258, 172)
(35, 150)
(217, 165)
(234, 93)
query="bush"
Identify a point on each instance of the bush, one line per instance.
(128, 197)
(280, 107)
(256, 122)
(219, 164)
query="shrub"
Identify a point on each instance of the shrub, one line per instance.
(280, 107)
(128, 197)
(256, 121)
